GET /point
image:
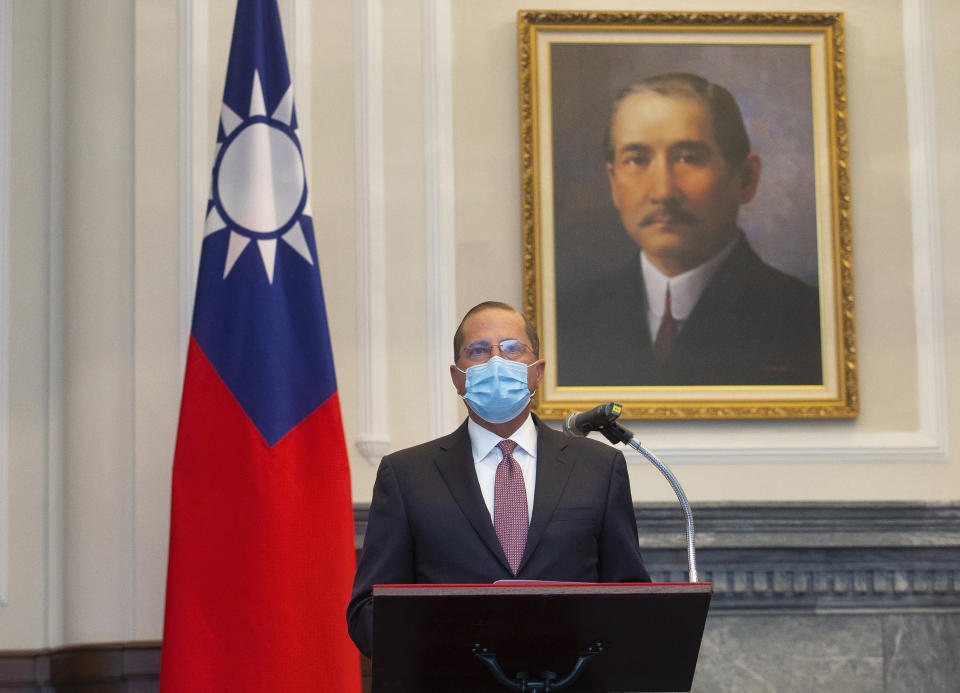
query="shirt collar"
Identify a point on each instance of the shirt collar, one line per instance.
(483, 441)
(685, 289)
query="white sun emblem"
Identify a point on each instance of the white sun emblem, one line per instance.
(259, 186)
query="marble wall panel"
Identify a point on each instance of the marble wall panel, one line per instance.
(921, 653)
(791, 654)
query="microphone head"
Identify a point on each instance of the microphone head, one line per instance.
(579, 424)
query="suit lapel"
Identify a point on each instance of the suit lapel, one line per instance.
(455, 463)
(553, 470)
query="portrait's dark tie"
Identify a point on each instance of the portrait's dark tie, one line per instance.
(666, 332)
(510, 515)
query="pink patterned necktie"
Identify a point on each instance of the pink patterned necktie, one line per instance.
(510, 516)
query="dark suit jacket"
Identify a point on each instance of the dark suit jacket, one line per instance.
(428, 522)
(753, 325)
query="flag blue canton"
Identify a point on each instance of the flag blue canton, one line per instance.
(260, 317)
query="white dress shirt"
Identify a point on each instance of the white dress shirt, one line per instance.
(685, 289)
(486, 457)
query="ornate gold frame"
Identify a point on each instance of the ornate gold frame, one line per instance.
(838, 398)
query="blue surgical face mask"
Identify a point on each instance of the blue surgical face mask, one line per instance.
(497, 390)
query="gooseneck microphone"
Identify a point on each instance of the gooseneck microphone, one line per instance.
(603, 419)
(580, 423)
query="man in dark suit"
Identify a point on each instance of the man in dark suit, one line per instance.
(504, 496)
(696, 306)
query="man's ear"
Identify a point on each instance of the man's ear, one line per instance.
(535, 375)
(749, 177)
(459, 380)
(613, 187)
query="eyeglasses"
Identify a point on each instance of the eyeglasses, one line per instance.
(482, 351)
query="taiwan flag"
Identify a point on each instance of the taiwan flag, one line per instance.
(261, 533)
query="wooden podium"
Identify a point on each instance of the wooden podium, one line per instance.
(534, 636)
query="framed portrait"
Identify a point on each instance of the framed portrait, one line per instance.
(686, 213)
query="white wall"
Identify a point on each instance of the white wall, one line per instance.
(414, 226)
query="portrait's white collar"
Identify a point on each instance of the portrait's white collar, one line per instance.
(685, 289)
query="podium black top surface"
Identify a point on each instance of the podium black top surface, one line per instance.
(651, 633)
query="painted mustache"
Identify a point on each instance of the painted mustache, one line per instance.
(672, 215)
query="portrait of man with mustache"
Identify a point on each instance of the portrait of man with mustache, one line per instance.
(696, 305)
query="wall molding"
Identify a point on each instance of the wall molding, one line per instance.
(295, 22)
(373, 439)
(741, 443)
(925, 208)
(54, 589)
(818, 557)
(6, 135)
(805, 557)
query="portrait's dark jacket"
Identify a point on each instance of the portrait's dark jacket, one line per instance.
(753, 325)
(428, 522)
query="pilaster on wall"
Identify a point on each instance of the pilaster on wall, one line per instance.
(56, 449)
(99, 335)
(295, 20)
(373, 438)
(194, 167)
(441, 196)
(6, 78)
(927, 268)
